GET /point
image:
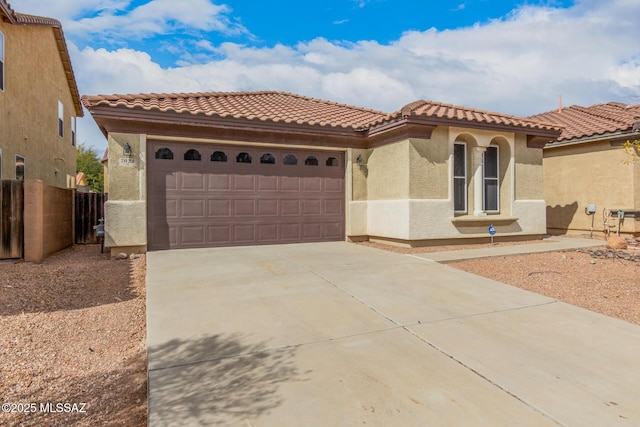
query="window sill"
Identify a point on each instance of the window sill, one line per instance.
(485, 219)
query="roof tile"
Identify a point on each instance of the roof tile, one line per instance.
(598, 119)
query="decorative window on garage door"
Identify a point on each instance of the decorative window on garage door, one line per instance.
(332, 161)
(243, 158)
(311, 161)
(268, 159)
(164, 154)
(219, 156)
(290, 159)
(192, 155)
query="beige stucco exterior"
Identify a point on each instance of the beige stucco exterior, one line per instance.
(401, 192)
(597, 172)
(35, 81)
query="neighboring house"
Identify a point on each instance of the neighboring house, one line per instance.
(588, 175)
(220, 169)
(39, 100)
(81, 183)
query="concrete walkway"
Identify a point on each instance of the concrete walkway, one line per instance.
(549, 244)
(337, 334)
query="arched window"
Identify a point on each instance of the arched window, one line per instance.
(164, 154)
(268, 159)
(192, 155)
(332, 161)
(290, 159)
(219, 156)
(243, 158)
(311, 161)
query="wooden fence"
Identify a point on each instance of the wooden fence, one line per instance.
(11, 219)
(89, 209)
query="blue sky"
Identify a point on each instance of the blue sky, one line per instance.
(514, 57)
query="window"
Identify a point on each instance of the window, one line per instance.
(73, 131)
(460, 177)
(19, 168)
(243, 158)
(268, 159)
(490, 184)
(164, 154)
(311, 161)
(192, 155)
(1, 61)
(290, 159)
(332, 161)
(60, 119)
(219, 156)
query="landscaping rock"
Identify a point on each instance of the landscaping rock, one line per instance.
(122, 255)
(616, 242)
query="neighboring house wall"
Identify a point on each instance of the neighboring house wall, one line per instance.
(34, 82)
(599, 173)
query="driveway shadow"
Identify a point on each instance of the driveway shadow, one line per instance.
(216, 380)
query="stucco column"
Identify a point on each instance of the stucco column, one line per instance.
(478, 172)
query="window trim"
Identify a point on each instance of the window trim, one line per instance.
(73, 131)
(465, 177)
(496, 179)
(60, 119)
(24, 167)
(2, 61)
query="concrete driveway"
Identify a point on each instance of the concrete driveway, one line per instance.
(336, 334)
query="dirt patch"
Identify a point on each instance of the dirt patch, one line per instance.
(73, 338)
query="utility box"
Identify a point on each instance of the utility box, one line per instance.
(591, 208)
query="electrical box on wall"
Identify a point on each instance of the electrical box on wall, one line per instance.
(591, 208)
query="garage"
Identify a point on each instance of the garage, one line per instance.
(206, 195)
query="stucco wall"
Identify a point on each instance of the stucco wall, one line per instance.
(125, 211)
(578, 175)
(528, 171)
(34, 83)
(387, 171)
(429, 166)
(48, 220)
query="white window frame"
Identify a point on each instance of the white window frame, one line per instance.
(60, 119)
(2, 82)
(24, 167)
(496, 179)
(73, 131)
(458, 177)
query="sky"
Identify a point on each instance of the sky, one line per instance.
(515, 57)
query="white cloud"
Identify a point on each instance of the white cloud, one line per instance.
(520, 64)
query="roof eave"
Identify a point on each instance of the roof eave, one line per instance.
(608, 136)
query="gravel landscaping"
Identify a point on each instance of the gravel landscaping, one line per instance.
(72, 329)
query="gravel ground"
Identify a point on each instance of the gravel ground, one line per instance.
(73, 331)
(598, 279)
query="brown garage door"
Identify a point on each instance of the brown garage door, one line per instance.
(208, 195)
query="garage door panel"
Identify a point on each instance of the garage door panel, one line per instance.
(312, 184)
(290, 232)
(219, 208)
(199, 204)
(290, 207)
(192, 209)
(192, 182)
(268, 207)
(267, 183)
(219, 182)
(244, 183)
(245, 233)
(192, 235)
(219, 234)
(267, 233)
(244, 208)
(290, 183)
(333, 207)
(311, 207)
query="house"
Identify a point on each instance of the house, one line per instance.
(39, 100)
(216, 169)
(591, 182)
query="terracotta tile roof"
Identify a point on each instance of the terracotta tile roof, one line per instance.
(599, 119)
(264, 106)
(23, 19)
(457, 115)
